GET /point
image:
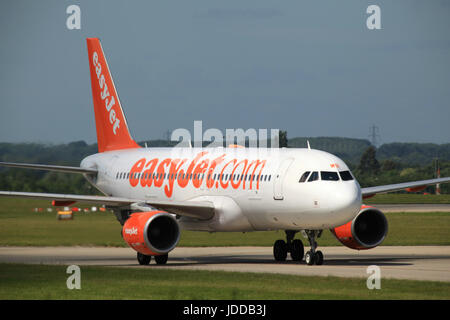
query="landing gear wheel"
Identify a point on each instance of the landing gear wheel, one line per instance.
(318, 258)
(309, 258)
(313, 256)
(143, 259)
(280, 250)
(297, 250)
(162, 259)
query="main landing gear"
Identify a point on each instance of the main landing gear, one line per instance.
(145, 259)
(296, 249)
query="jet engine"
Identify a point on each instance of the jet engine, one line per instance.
(151, 233)
(367, 230)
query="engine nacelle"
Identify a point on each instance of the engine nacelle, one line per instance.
(151, 233)
(367, 230)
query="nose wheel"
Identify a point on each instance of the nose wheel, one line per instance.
(312, 256)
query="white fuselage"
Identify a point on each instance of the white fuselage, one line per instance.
(251, 188)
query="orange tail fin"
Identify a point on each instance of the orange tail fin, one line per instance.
(112, 129)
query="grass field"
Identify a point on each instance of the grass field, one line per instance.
(49, 282)
(20, 226)
(408, 198)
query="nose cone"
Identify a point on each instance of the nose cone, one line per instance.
(345, 202)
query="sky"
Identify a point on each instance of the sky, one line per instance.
(312, 68)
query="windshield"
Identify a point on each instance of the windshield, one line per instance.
(314, 176)
(329, 176)
(346, 175)
(304, 176)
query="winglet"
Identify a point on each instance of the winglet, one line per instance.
(112, 129)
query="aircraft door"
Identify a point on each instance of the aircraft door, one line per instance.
(279, 178)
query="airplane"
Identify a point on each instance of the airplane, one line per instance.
(157, 192)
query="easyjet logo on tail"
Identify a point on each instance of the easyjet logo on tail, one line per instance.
(104, 93)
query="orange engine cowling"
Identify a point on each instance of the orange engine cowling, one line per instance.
(367, 230)
(151, 233)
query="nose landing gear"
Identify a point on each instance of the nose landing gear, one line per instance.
(313, 256)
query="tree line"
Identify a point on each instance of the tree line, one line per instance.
(391, 163)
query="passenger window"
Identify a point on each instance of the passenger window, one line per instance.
(329, 176)
(314, 176)
(346, 175)
(304, 176)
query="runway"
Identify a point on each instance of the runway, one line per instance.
(430, 263)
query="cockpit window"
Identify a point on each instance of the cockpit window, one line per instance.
(314, 176)
(346, 175)
(329, 176)
(304, 176)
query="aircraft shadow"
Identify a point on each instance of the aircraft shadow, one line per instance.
(255, 260)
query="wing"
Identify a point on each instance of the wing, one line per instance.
(203, 210)
(48, 167)
(413, 185)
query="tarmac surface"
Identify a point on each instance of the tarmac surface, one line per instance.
(430, 263)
